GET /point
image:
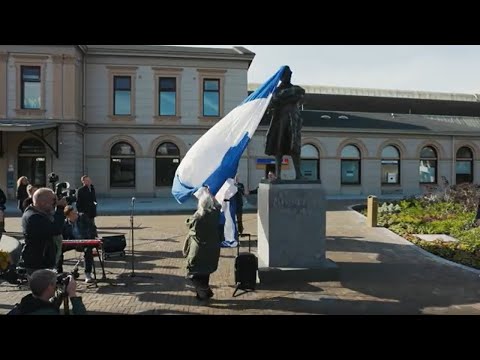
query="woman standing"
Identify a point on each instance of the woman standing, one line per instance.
(22, 194)
(202, 245)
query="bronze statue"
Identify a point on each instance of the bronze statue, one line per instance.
(284, 136)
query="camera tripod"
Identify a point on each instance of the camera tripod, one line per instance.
(132, 242)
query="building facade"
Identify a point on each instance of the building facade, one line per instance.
(386, 142)
(127, 114)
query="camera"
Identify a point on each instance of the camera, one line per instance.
(68, 194)
(64, 278)
(52, 178)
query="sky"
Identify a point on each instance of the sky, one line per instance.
(443, 68)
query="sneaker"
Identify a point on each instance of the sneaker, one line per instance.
(88, 278)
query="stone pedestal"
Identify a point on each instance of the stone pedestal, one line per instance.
(291, 232)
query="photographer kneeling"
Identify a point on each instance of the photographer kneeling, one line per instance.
(79, 226)
(43, 284)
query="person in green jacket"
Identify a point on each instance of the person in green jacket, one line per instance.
(202, 244)
(43, 284)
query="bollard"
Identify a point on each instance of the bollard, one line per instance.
(372, 211)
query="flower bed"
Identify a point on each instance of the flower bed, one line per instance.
(449, 210)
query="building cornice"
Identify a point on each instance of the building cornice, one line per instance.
(239, 53)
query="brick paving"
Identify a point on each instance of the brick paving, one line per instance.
(380, 274)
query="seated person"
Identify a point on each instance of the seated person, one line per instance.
(43, 284)
(79, 226)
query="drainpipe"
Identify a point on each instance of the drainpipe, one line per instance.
(84, 84)
(6, 102)
(454, 180)
(63, 87)
(6, 154)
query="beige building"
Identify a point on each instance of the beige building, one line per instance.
(127, 114)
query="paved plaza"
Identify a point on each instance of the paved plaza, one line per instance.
(380, 273)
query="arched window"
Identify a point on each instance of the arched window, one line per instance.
(390, 165)
(167, 160)
(464, 165)
(350, 165)
(32, 157)
(428, 165)
(122, 165)
(309, 163)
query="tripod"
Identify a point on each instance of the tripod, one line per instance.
(132, 241)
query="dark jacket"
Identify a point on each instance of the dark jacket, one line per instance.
(30, 305)
(21, 195)
(27, 202)
(86, 227)
(3, 200)
(86, 200)
(239, 197)
(38, 229)
(202, 245)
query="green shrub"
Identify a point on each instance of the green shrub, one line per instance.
(444, 209)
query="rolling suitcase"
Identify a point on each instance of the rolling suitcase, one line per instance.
(246, 266)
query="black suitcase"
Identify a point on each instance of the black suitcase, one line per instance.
(246, 267)
(114, 246)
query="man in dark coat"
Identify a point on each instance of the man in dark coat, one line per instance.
(239, 204)
(3, 201)
(284, 137)
(86, 198)
(39, 229)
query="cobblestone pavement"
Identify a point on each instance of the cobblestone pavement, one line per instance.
(380, 274)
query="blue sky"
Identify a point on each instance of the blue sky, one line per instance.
(445, 68)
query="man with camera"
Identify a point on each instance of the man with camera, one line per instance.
(42, 301)
(41, 222)
(79, 226)
(86, 198)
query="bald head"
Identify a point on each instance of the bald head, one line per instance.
(45, 200)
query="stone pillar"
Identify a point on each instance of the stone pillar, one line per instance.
(291, 232)
(3, 85)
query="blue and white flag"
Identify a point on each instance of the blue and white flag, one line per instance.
(226, 197)
(215, 156)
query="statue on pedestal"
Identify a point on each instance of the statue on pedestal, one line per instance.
(284, 136)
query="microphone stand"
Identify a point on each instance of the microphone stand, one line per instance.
(132, 245)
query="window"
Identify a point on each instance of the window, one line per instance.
(122, 166)
(350, 165)
(122, 86)
(121, 92)
(428, 165)
(211, 97)
(32, 158)
(30, 87)
(211, 94)
(390, 165)
(464, 165)
(309, 163)
(167, 96)
(167, 160)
